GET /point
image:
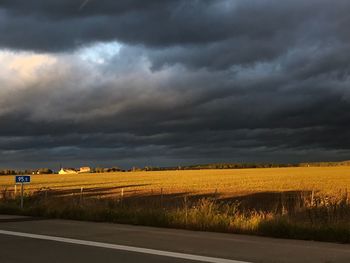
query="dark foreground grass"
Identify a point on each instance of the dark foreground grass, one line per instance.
(322, 220)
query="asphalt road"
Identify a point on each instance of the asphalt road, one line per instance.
(35, 240)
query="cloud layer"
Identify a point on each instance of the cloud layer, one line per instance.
(171, 82)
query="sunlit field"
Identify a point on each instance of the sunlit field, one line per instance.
(304, 202)
(328, 180)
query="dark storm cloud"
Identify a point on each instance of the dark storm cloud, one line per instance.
(194, 81)
(58, 25)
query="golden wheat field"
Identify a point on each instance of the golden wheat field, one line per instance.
(328, 180)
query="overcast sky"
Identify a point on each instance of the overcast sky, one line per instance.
(160, 82)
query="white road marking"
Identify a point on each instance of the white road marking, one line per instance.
(124, 248)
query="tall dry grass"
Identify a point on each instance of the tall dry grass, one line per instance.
(302, 215)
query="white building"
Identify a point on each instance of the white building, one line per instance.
(85, 170)
(67, 171)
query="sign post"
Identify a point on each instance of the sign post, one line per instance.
(22, 179)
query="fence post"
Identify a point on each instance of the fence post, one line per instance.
(346, 196)
(81, 195)
(22, 192)
(161, 197)
(186, 212)
(312, 197)
(282, 203)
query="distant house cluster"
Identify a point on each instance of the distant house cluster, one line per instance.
(42, 171)
(74, 171)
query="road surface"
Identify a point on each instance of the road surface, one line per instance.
(25, 239)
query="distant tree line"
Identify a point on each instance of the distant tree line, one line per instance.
(325, 164)
(186, 167)
(49, 171)
(106, 170)
(214, 166)
(26, 171)
(241, 166)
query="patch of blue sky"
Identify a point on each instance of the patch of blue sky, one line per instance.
(99, 53)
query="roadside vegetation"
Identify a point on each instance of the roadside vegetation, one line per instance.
(302, 203)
